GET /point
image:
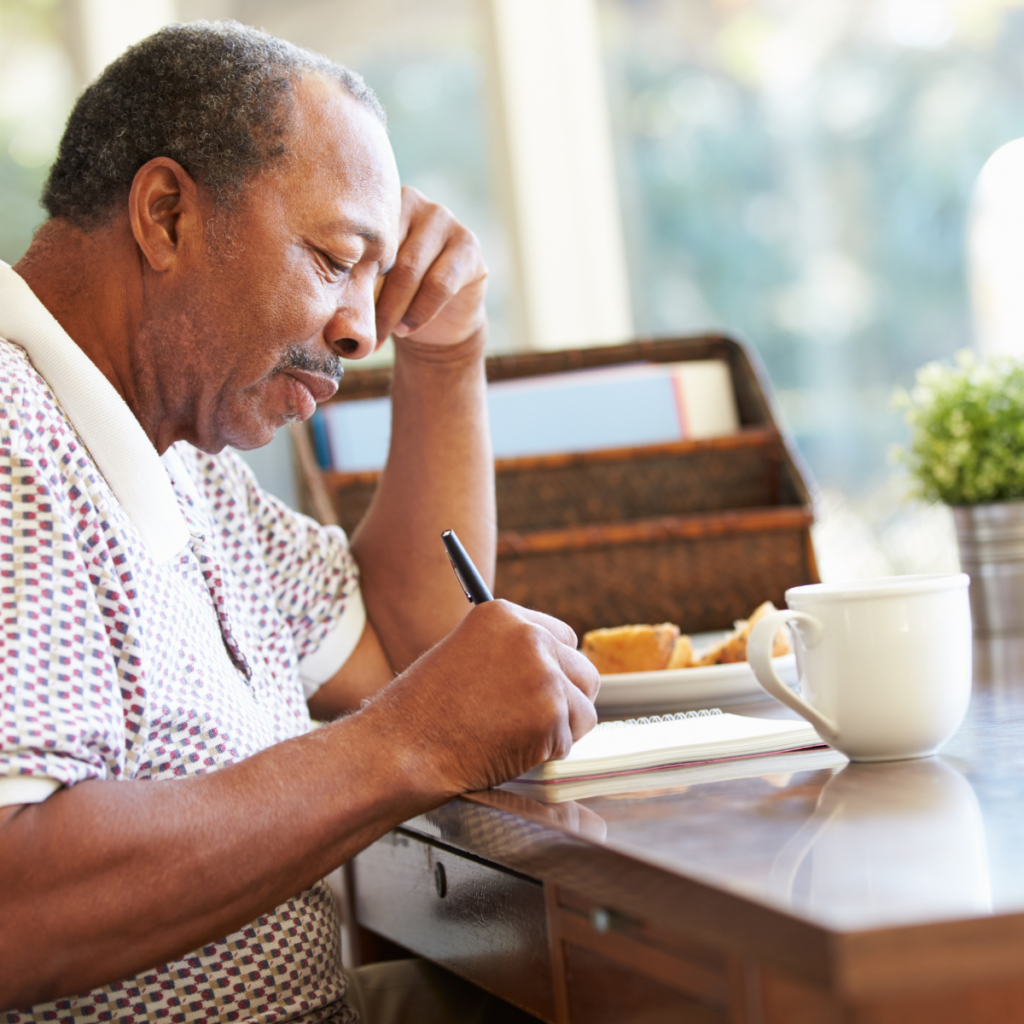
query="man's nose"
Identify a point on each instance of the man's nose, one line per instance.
(352, 330)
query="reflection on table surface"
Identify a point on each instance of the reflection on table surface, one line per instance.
(850, 847)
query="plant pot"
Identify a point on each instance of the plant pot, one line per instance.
(991, 542)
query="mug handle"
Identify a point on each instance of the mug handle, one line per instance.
(759, 654)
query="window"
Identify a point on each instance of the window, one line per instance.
(800, 171)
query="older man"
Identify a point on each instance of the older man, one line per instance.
(223, 209)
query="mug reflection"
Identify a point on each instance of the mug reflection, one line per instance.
(896, 842)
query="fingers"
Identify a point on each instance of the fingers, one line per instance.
(525, 695)
(556, 627)
(575, 666)
(575, 717)
(582, 713)
(580, 683)
(437, 260)
(576, 681)
(423, 241)
(454, 269)
(581, 670)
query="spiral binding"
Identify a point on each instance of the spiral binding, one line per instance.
(679, 716)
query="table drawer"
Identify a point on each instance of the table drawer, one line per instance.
(478, 920)
(619, 969)
(600, 990)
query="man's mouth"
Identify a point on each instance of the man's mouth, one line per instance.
(308, 389)
(319, 385)
(313, 379)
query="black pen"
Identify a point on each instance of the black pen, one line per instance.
(470, 580)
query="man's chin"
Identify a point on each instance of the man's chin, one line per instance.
(248, 443)
(244, 439)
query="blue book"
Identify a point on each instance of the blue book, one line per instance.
(615, 407)
(321, 441)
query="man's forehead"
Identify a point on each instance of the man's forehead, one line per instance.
(341, 162)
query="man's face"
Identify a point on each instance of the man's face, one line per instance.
(286, 283)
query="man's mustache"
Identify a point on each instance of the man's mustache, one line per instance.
(327, 366)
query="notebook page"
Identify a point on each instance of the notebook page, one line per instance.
(674, 779)
(617, 746)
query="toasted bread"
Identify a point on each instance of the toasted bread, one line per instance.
(728, 650)
(781, 644)
(631, 648)
(682, 653)
(733, 648)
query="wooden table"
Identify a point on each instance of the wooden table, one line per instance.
(858, 893)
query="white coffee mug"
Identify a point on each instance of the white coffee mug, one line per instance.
(884, 664)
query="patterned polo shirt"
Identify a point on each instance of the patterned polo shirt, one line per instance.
(161, 618)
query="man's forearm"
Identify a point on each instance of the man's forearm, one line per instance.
(106, 879)
(439, 475)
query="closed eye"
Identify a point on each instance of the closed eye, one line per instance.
(333, 264)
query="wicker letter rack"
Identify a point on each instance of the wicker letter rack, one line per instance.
(696, 532)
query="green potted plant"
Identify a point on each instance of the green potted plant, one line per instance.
(966, 449)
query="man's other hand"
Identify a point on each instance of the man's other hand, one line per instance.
(434, 293)
(503, 692)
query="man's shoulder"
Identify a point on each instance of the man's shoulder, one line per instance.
(16, 368)
(36, 433)
(26, 401)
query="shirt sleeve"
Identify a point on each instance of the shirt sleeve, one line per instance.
(26, 789)
(61, 719)
(314, 577)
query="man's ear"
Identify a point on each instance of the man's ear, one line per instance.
(165, 209)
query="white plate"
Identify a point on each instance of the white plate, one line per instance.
(685, 688)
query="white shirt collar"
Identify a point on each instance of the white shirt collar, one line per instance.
(116, 441)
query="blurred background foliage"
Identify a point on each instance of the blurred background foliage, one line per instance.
(37, 87)
(800, 171)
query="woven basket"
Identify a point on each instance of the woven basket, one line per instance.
(693, 532)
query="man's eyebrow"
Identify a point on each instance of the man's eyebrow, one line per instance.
(368, 234)
(351, 227)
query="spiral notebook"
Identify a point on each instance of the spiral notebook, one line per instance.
(664, 741)
(658, 781)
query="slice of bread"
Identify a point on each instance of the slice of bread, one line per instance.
(631, 648)
(733, 648)
(682, 653)
(780, 645)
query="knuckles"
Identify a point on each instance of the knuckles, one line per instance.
(437, 218)
(438, 287)
(523, 635)
(406, 265)
(423, 210)
(466, 239)
(562, 744)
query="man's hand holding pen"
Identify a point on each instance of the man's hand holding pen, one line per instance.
(506, 690)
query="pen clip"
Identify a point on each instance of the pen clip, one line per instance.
(458, 576)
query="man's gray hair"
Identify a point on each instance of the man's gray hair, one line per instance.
(215, 97)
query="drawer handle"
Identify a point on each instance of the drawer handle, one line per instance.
(440, 880)
(604, 921)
